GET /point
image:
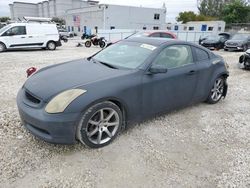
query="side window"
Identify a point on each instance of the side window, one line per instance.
(201, 55)
(166, 35)
(18, 30)
(155, 35)
(174, 56)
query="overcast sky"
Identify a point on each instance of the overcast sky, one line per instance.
(173, 6)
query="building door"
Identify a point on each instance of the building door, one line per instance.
(204, 28)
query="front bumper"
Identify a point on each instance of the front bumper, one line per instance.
(233, 48)
(210, 46)
(58, 43)
(53, 128)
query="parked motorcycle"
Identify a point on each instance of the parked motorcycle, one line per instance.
(244, 60)
(85, 36)
(96, 42)
(63, 38)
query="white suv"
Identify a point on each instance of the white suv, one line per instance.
(29, 35)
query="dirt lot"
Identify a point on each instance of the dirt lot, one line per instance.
(199, 146)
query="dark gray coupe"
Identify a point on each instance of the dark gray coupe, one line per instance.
(93, 99)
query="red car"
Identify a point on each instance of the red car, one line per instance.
(155, 34)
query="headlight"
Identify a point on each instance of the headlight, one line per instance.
(60, 102)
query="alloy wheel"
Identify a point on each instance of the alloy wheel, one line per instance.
(102, 126)
(217, 90)
(51, 46)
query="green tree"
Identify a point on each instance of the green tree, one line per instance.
(60, 21)
(236, 12)
(212, 8)
(4, 19)
(185, 17)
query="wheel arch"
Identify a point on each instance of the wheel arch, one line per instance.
(49, 42)
(1, 42)
(121, 104)
(221, 74)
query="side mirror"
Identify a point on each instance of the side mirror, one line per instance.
(157, 69)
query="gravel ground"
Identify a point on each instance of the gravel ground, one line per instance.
(199, 146)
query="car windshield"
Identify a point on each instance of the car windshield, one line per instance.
(5, 28)
(213, 37)
(240, 37)
(129, 55)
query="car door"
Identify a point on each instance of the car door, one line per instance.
(15, 37)
(204, 72)
(176, 87)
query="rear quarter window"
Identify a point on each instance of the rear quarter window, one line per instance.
(201, 55)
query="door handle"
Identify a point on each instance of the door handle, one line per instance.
(192, 72)
(22, 37)
(30, 36)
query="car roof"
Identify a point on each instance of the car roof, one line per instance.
(149, 40)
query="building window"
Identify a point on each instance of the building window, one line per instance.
(191, 28)
(210, 28)
(156, 16)
(68, 28)
(72, 28)
(79, 29)
(112, 27)
(219, 28)
(169, 28)
(155, 28)
(176, 28)
(144, 28)
(185, 28)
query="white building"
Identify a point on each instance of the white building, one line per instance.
(199, 26)
(80, 15)
(50, 8)
(103, 16)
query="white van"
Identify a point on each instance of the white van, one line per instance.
(29, 35)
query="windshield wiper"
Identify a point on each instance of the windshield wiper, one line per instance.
(103, 63)
(108, 65)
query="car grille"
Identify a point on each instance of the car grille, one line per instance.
(32, 98)
(208, 45)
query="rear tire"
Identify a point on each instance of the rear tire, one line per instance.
(88, 44)
(2, 47)
(51, 45)
(100, 124)
(216, 93)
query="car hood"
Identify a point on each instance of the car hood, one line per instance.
(236, 41)
(210, 41)
(52, 80)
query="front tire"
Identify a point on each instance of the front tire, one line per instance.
(100, 125)
(51, 45)
(2, 47)
(216, 93)
(102, 44)
(88, 44)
